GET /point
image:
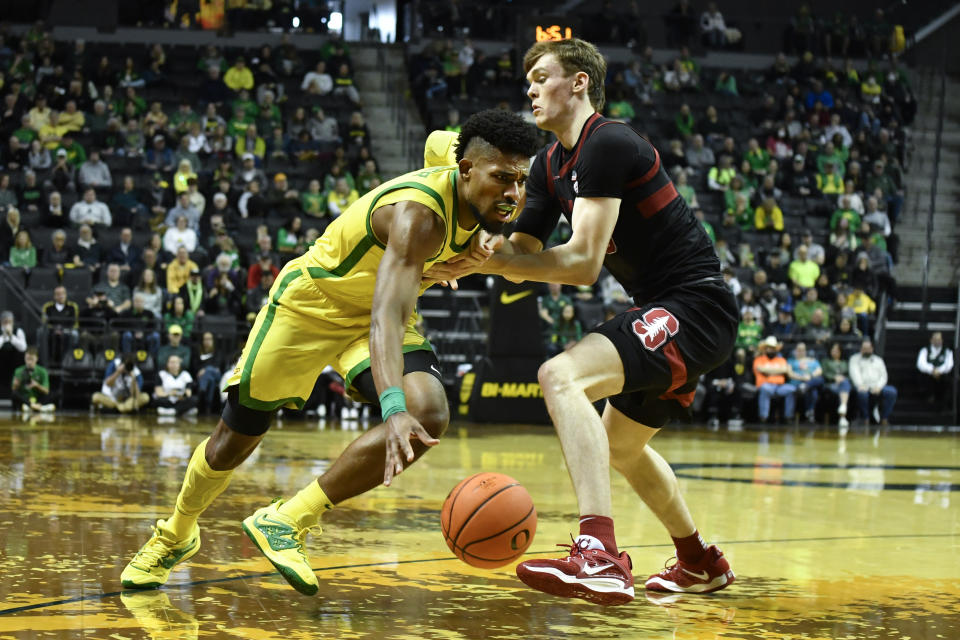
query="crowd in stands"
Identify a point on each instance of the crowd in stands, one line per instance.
(146, 191)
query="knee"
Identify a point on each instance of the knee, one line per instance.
(554, 377)
(435, 417)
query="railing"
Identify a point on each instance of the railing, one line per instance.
(880, 329)
(31, 308)
(956, 352)
(933, 191)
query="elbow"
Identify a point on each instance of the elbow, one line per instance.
(587, 273)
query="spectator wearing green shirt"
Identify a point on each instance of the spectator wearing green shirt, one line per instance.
(551, 307)
(567, 332)
(684, 189)
(835, 376)
(880, 179)
(726, 84)
(312, 201)
(804, 310)
(180, 316)
(830, 153)
(698, 213)
(367, 176)
(31, 385)
(737, 186)
(76, 154)
(242, 119)
(829, 182)
(290, 236)
(26, 133)
(23, 253)
(758, 157)
(749, 332)
(684, 121)
(620, 108)
(803, 271)
(844, 210)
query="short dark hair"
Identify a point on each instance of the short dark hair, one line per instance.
(32, 351)
(502, 129)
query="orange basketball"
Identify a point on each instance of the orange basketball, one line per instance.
(488, 520)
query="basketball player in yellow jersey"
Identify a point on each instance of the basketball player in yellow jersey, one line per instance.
(349, 302)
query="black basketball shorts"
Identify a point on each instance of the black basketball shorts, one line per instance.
(667, 344)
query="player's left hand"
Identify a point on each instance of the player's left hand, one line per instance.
(482, 246)
(401, 428)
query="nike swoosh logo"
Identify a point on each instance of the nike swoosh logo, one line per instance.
(595, 570)
(510, 298)
(702, 575)
(434, 367)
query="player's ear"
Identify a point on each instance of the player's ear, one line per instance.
(580, 81)
(465, 167)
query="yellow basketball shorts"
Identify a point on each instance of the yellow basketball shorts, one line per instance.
(298, 333)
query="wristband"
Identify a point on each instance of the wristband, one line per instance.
(392, 401)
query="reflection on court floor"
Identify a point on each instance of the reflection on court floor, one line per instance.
(830, 538)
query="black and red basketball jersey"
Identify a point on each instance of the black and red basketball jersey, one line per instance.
(657, 243)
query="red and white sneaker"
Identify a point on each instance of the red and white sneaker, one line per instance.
(591, 574)
(712, 573)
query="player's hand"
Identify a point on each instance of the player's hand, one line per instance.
(401, 427)
(482, 246)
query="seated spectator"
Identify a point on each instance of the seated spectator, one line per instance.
(804, 271)
(318, 81)
(193, 295)
(180, 236)
(863, 277)
(815, 251)
(835, 371)
(179, 315)
(776, 271)
(90, 210)
(817, 331)
(868, 373)
(829, 181)
(224, 293)
(724, 385)
(122, 386)
(238, 76)
(289, 237)
(209, 365)
(148, 288)
(807, 375)
(184, 173)
(843, 239)
(159, 157)
(250, 143)
(699, 156)
(173, 348)
(178, 271)
(768, 216)
(259, 295)
(95, 173)
(748, 332)
(139, 328)
(323, 128)
(31, 385)
(22, 254)
(343, 84)
(565, 333)
(880, 179)
(748, 302)
(117, 293)
(341, 198)
(173, 396)
(784, 327)
(770, 370)
(63, 175)
(720, 176)
(87, 252)
(935, 362)
(126, 255)
(60, 317)
(53, 215)
(798, 180)
(13, 343)
(844, 210)
(186, 209)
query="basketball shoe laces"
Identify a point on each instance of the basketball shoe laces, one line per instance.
(152, 555)
(575, 548)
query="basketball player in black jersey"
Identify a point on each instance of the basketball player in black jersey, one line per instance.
(626, 215)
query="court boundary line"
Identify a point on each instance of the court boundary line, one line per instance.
(263, 574)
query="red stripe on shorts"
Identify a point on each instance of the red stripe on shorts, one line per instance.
(678, 375)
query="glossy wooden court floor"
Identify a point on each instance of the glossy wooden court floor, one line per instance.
(830, 538)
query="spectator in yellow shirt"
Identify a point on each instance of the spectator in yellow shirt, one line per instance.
(51, 133)
(768, 216)
(71, 119)
(178, 271)
(239, 76)
(864, 307)
(830, 182)
(250, 142)
(803, 271)
(341, 197)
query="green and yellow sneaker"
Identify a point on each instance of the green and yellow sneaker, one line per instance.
(160, 618)
(278, 537)
(151, 567)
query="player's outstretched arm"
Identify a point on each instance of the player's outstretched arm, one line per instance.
(413, 234)
(578, 261)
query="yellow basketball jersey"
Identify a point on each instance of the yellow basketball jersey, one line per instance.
(344, 260)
